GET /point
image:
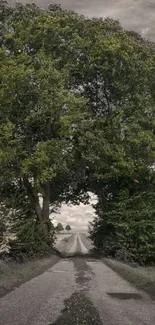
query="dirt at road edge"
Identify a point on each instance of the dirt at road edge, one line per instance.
(14, 275)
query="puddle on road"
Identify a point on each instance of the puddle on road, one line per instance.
(124, 295)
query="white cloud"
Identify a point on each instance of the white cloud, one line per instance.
(145, 31)
(135, 15)
(77, 216)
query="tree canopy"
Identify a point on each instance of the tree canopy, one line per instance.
(68, 228)
(59, 227)
(77, 115)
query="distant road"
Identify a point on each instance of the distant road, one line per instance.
(77, 291)
(74, 243)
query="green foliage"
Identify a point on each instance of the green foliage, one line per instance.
(59, 227)
(68, 228)
(126, 230)
(31, 239)
(39, 118)
(77, 115)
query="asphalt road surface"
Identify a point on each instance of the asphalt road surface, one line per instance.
(75, 243)
(77, 291)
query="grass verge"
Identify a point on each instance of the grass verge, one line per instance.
(12, 274)
(141, 278)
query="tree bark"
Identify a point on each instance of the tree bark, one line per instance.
(42, 213)
(46, 207)
(102, 200)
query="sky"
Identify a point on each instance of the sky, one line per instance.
(137, 15)
(77, 216)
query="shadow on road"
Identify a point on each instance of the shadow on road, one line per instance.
(92, 253)
(125, 296)
(78, 310)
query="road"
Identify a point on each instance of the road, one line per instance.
(75, 243)
(75, 291)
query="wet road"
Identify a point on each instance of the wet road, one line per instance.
(76, 291)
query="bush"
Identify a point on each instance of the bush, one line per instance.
(127, 230)
(31, 239)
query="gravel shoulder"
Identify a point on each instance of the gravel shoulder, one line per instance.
(13, 275)
(86, 241)
(143, 278)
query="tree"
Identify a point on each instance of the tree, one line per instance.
(36, 127)
(77, 115)
(59, 227)
(68, 228)
(39, 120)
(2, 230)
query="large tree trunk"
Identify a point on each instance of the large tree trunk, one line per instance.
(42, 213)
(102, 199)
(46, 207)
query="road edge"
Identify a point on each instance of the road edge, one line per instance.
(135, 276)
(22, 273)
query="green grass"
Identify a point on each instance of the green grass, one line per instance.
(141, 278)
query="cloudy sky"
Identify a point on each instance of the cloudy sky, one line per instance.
(77, 217)
(138, 15)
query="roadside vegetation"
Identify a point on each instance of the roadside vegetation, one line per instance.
(14, 273)
(143, 278)
(77, 115)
